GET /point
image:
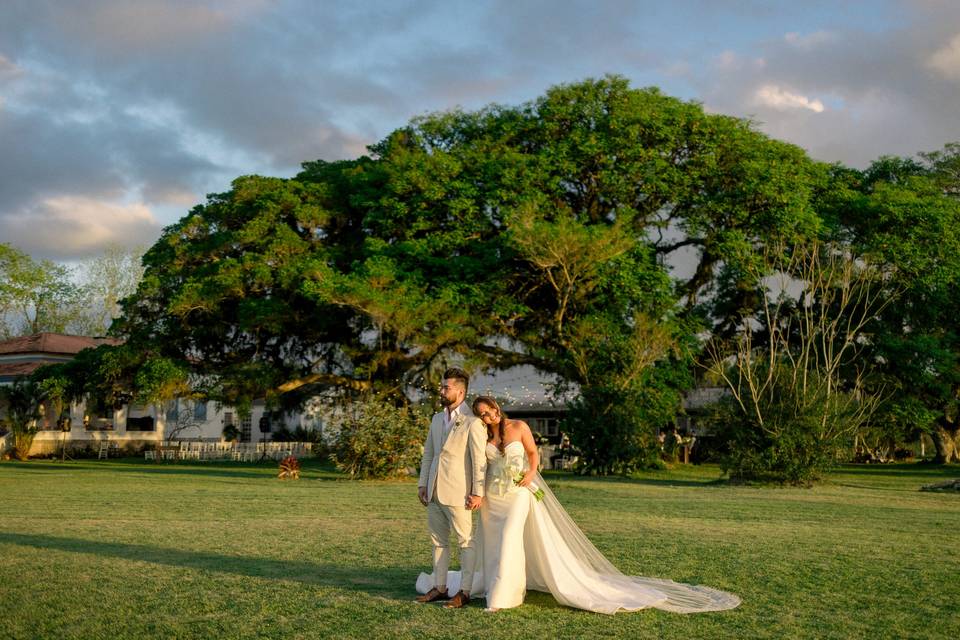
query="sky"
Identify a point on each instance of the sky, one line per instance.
(117, 117)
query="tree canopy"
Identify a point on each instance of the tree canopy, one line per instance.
(540, 234)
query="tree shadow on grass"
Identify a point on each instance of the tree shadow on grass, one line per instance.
(920, 469)
(667, 482)
(394, 582)
(573, 480)
(211, 470)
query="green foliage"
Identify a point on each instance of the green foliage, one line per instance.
(790, 445)
(376, 439)
(231, 433)
(39, 295)
(614, 433)
(22, 402)
(55, 391)
(499, 237)
(539, 234)
(906, 214)
(104, 280)
(161, 379)
(35, 296)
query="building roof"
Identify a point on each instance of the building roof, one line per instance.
(18, 369)
(22, 356)
(52, 343)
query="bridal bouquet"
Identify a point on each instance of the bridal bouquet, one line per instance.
(507, 473)
(537, 491)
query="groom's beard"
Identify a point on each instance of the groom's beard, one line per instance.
(449, 402)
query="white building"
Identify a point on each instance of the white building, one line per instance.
(129, 427)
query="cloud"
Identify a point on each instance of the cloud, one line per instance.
(7, 68)
(810, 40)
(135, 27)
(773, 96)
(157, 102)
(946, 60)
(850, 94)
(70, 227)
(730, 61)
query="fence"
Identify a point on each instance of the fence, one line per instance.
(240, 451)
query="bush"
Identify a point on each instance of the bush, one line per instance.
(374, 439)
(791, 445)
(231, 433)
(22, 399)
(609, 429)
(299, 434)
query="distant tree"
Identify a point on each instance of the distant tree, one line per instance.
(104, 281)
(35, 296)
(907, 213)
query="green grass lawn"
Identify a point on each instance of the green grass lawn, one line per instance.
(123, 549)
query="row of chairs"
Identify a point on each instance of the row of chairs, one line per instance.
(238, 451)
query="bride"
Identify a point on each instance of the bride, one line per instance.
(527, 540)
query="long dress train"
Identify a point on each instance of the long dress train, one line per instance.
(554, 556)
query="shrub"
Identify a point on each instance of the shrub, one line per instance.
(231, 433)
(372, 438)
(22, 399)
(612, 432)
(791, 445)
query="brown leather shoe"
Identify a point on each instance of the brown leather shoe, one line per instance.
(433, 595)
(457, 601)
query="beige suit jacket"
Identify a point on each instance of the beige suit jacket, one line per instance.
(454, 467)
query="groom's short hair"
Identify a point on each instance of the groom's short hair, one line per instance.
(456, 373)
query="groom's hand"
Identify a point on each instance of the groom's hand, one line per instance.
(474, 502)
(422, 494)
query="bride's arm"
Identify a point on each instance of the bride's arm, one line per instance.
(533, 456)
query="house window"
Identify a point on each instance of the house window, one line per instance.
(97, 423)
(95, 417)
(551, 427)
(200, 411)
(246, 427)
(141, 423)
(173, 411)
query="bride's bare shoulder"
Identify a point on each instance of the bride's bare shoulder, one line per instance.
(519, 425)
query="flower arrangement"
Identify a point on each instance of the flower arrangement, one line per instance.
(534, 489)
(289, 468)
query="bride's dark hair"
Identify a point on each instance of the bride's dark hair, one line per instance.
(490, 402)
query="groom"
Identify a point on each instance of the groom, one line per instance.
(451, 484)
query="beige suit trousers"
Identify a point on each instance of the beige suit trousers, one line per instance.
(440, 518)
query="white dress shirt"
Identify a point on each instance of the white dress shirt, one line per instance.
(450, 418)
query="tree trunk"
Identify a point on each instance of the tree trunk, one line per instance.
(946, 438)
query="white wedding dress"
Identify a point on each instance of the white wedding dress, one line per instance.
(525, 544)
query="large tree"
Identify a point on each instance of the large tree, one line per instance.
(535, 234)
(906, 213)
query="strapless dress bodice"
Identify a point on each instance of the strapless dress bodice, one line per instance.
(503, 469)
